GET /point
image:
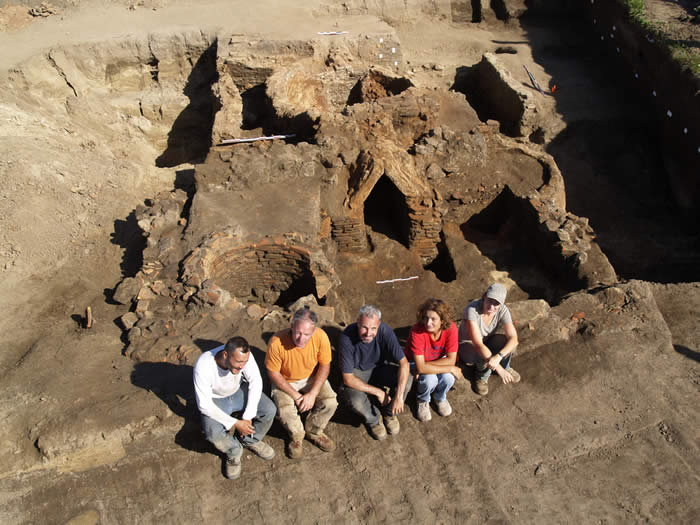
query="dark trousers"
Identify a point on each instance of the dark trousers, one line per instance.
(382, 375)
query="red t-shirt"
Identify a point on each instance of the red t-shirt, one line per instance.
(420, 343)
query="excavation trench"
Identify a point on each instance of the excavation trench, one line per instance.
(393, 189)
(375, 174)
(324, 214)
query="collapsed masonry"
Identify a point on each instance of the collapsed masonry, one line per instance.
(267, 221)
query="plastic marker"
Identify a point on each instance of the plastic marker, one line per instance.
(254, 139)
(396, 280)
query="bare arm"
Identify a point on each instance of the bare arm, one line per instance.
(491, 361)
(354, 382)
(320, 377)
(474, 335)
(439, 366)
(282, 384)
(404, 372)
(494, 362)
(308, 400)
(512, 336)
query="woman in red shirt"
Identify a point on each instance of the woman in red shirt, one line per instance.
(431, 349)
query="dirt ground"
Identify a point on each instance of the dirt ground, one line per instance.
(602, 429)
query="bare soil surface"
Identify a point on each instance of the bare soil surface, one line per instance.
(603, 427)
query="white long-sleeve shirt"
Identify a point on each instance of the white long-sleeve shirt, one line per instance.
(212, 382)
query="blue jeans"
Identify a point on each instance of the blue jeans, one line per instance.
(469, 355)
(228, 443)
(432, 385)
(379, 376)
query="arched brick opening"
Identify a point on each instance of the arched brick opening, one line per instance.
(386, 193)
(386, 211)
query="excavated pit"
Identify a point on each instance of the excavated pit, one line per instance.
(373, 161)
(390, 175)
(374, 183)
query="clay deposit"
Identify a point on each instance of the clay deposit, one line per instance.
(415, 145)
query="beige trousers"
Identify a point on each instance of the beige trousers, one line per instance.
(318, 417)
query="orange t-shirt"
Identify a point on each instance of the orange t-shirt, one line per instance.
(294, 363)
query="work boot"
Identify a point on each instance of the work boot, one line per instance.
(443, 408)
(516, 376)
(295, 448)
(232, 468)
(377, 431)
(481, 387)
(392, 425)
(322, 441)
(262, 450)
(424, 411)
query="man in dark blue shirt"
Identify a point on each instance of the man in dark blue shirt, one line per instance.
(372, 361)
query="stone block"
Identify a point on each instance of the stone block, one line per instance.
(128, 320)
(127, 290)
(255, 311)
(145, 293)
(142, 305)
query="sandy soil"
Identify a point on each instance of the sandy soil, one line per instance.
(604, 427)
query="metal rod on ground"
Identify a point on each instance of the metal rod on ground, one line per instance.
(254, 139)
(532, 79)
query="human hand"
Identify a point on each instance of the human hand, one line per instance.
(457, 372)
(244, 427)
(383, 398)
(306, 402)
(494, 361)
(397, 405)
(505, 375)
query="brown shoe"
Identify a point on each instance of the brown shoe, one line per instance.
(262, 450)
(516, 376)
(295, 449)
(378, 431)
(392, 425)
(322, 441)
(481, 387)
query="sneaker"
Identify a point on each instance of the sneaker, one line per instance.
(295, 449)
(262, 450)
(232, 469)
(322, 441)
(443, 408)
(424, 411)
(378, 431)
(392, 425)
(516, 376)
(481, 387)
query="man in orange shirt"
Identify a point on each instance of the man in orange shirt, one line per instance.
(298, 362)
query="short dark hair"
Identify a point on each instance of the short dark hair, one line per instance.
(438, 306)
(305, 314)
(237, 343)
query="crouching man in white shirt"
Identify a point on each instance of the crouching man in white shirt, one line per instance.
(227, 380)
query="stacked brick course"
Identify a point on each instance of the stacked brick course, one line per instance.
(262, 270)
(426, 225)
(350, 234)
